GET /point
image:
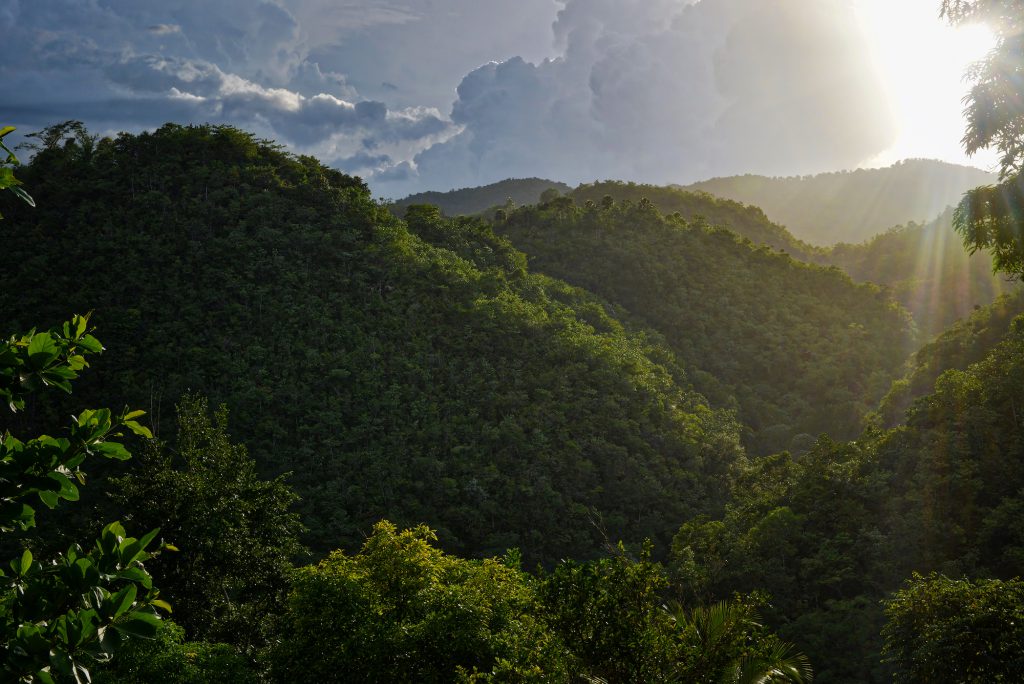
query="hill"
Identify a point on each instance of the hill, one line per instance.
(471, 201)
(852, 206)
(928, 271)
(966, 342)
(446, 385)
(923, 264)
(832, 533)
(744, 220)
(799, 349)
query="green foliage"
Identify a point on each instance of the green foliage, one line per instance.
(608, 614)
(58, 616)
(747, 221)
(36, 360)
(170, 659)
(403, 611)
(442, 384)
(993, 120)
(235, 531)
(966, 342)
(944, 630)
(611, 617)
(7, 180)
(989, 216)
(726, 642)
(798, 349)
(830, 534)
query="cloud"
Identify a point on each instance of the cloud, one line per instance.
(651, 90)
(666, 91)
(129, 65)
(164, 29)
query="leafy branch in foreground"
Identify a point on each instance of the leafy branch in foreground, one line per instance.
(7, 179)
(58, 615)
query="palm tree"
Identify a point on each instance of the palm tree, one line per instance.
(728, 646)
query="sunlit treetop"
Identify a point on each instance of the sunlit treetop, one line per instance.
(990, 217)
(995, 105)
(1000, 14)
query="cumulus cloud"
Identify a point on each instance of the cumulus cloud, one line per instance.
(668, 91)
(651, 90)
(129, 65)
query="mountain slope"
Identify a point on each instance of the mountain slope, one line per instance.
(746, 221)
(799, 348)
(966, 342)
(392, 378)
(928, 270)
(852, 206)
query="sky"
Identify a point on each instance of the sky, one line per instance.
(419, 95)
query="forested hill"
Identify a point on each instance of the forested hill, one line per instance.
(745, 220)
(925, 265)
(446, 385)
(966, 342)
(799, 348)
(832, 533)
(928, 271)
(852, 206)
(471, 201)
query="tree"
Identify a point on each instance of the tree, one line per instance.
(401, 610)
(236, 532)
(946, 630)
(608, 614)
(59, 615)
(991, 217)
(726, 642)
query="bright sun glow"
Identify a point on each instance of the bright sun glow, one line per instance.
(922, 60)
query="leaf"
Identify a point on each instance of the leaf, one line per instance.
(131, 549)
(140, 430)
(49, 498)
(119, 603)
(27, 198)
(137, 574)
(68, 490)
(141, 625)
(80, 323)
(26, 563)
(17, 514)
(6, 129)
(42, 350)
(90, 343)
(113, 450)
(162, 605)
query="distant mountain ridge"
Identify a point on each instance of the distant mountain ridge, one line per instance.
(852, 206)
(470, 201)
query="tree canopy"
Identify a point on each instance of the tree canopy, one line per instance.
(989, 217)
